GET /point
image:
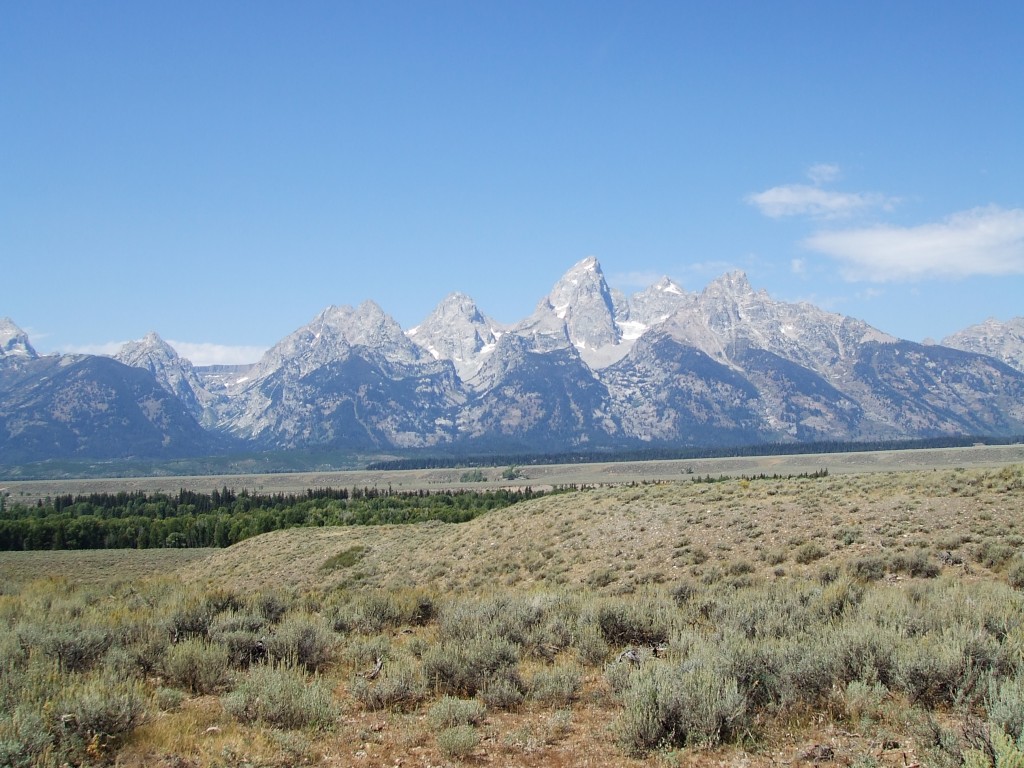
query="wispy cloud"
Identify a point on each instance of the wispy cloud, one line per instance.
(822, 173)
(806, 200)
(814, 201)
(981, 241)
(108, 348)
(203, 353)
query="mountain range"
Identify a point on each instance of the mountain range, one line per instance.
(589, 370)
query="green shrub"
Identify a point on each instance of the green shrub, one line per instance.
(684, 591)
(344, 559)
(74, 648)
(168, 699)
(632, 622)
(399, 686)
(993, 553)
(930, 670)
(862, 701)
(449, 711)
(678, 706)
(191, 619)
(458, 741)
(809, 552)
(555, 686)
(272, 605)
(997, 748)
(376, 611)
(302, 639)
(806, 669)
(915, 564)
(1015, 574)
(838, 598)
(282, 696)
(502, 693)
(197, 665)
(466, 668)
(589, 642)
(867, 568)
(24, 738)
(1005, 705)
(93, 715)
(866, 652)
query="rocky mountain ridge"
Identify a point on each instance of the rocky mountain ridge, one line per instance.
(589, 369)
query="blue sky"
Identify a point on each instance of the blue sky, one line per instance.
(219, 172)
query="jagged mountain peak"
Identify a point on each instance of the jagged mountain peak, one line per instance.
(729, 317)
(582, 287)
(174, 373)
(366, 325)
(655, 305)
(458, 331)
(733, 284)
(667, 285)
(14, 341)
(148, 345)
(579, 311)
(330, 337)
(454, 306)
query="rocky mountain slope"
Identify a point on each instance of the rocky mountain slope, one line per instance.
(589, 369)
(92, 407)
(1001, 340)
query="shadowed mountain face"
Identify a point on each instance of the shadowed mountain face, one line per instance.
(588, 369)
(86, 407)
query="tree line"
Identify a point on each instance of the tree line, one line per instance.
(676, 452)
(140, 520)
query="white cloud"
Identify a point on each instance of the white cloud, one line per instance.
(820, 173)
(811, 200)
(982, 241)
(806, 200)
(109, 348)
(798, 266)
(204, 353)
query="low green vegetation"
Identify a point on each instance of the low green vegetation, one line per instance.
(86, 668)
(189, 519)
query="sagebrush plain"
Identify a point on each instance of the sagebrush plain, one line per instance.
(852, 618)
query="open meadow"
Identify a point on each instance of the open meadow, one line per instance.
(852, 618)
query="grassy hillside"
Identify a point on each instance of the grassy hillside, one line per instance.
(618, 539)
(853, 620)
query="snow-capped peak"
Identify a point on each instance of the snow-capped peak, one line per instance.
(14, 341)
(666, 285)
(583, 301)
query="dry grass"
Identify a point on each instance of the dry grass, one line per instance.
(95, 566)
(619, 539)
